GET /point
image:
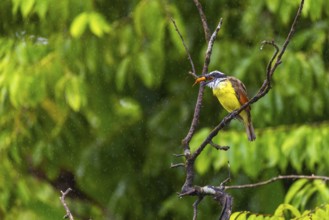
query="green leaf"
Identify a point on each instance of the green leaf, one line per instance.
(322, 189)
(239, 216)
(294, 189)
(26, 7)
(283, 207)
(143, 12)
(98, 25)
(316, 9)
(74, 93)
(144, 69)
(130, 109)
(273, 6)
(198, 138)
(122, 73)
(41, 7)
(16, 4)
(285, 13)
(79, 24)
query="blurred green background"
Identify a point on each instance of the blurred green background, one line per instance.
(95, 95)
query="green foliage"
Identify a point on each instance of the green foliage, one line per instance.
(99, 90)
(96, 22)
(286, 148)
(285, 211)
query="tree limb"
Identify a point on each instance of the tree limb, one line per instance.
(193, 73)
(62, 198)
(312, 177)
(203, 20)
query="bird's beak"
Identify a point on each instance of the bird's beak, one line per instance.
(200, 79)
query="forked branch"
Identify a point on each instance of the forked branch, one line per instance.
(62, 198)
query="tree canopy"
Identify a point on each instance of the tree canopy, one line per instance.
(96, 96)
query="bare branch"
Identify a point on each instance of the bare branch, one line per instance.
(62, 198)
(210, 45)
(193, 73)
(292, 30)
(194, 124)
(312, 177)
(218, 147)
(226, 202)
(228, 179)
(177, 165)
(269, 65)
(203, 20)
(195, 207)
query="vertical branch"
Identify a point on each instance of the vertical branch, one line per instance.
(195, 207)
(203, 20)
(62, 198)
(186, 49)
(210, 45)
(292, 31)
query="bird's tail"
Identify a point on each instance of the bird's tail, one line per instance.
(245, 117)
(250, 130)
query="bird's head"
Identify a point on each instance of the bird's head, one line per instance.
(212, 79)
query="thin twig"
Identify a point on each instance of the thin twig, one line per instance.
(195, 207)
(269, 65)
(292, 30)
(312, 177)
(203, 20)
(193, 73)
(177, 165)
(62, 198)
(210, 45)
(218, 147)
(228, 179)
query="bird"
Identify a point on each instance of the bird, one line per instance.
(232, 94)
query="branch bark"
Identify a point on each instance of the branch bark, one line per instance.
(62, 198)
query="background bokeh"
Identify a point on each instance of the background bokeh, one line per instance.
(95, 95)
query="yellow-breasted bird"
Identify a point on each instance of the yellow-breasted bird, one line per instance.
(232, 94)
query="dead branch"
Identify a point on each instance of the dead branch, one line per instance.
(62, 198)
(203, 20)
(254, 185)
(193, 73)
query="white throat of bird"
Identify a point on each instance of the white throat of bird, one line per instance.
(215, 83)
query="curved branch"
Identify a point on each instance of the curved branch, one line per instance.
(312, 177)
(203, 20)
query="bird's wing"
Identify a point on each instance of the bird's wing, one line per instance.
(241, 91)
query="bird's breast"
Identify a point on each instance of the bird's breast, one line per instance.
(225, 94)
